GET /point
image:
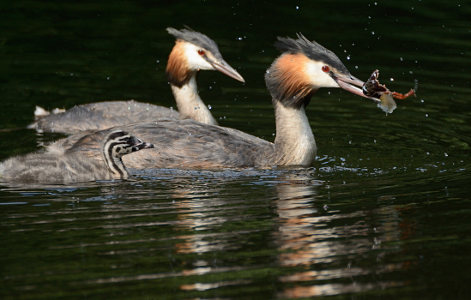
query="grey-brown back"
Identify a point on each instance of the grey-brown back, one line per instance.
(102, 115)
(184, 144)
(54, 169)
(101, 161)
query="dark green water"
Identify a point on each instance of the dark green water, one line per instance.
(384, 211)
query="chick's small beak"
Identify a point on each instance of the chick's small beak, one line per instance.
(144, 145)
(352, 84)
(226, 69)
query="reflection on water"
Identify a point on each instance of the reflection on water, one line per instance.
(201, 237)
(307, 239)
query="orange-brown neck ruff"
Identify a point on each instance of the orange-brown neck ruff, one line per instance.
(178, 72)
(288, 82)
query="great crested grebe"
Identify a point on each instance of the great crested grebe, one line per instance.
(75, 165)
(292, 79)
(193, 51)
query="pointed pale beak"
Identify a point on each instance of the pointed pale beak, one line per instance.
(143, 146)
(147, 146)
(226, 69)
(352, 84)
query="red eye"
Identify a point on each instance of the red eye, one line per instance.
(201, 52)
(325, 68)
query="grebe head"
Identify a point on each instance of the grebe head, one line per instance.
(117, 144)
(194, 51)
(304, 67)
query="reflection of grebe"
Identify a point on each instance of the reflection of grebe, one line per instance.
(193, 51)
(74, 166)
(293, 77)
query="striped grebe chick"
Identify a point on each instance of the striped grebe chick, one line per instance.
(193, 51)
(292, 79)
(75, 165)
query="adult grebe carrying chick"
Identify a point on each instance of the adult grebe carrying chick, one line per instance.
(303, 67)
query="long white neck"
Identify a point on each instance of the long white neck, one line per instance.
(294, 142)
(190, 104)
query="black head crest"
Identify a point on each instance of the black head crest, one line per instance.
(196, 38)
(311, 49)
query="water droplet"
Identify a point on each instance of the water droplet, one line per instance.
(348, 57)
(391, 79)
(297, 7)
(401, 59)
(422, 100)
(372, 33)
(239, 38)
(446, 154)
(158, 61)
(209, 106)
(107, 77)
(376, 3)
(426, 115)
(356, 67)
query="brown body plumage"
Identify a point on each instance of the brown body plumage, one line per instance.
(193, 51)
(303, 67)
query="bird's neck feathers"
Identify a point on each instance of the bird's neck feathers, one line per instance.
(291, 90)
(114, 162)
(178, 72)
(288, 82)
(189, 103)
(183, 83)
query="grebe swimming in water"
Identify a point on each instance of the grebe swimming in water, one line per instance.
(292, 79)
(75, 165)
(193, 51)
